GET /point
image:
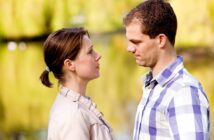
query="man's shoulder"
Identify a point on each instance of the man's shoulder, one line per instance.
(184, 80)
(188, 79)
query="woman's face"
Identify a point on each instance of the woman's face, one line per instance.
(87, 61)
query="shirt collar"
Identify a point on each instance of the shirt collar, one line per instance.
(165, 75)
(74, 96)
(84, 100)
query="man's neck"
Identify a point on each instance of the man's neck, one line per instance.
(163, 61)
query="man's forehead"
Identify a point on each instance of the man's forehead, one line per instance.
(133, 31)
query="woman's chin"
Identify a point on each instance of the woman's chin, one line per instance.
(96, 76)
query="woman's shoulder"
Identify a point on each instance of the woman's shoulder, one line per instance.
(63, 108)
(67, 113)
(75, 114)
(63, 104)
(67, 108)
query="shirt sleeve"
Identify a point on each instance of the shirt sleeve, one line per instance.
(188, 114)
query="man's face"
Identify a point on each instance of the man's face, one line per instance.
(141, 45)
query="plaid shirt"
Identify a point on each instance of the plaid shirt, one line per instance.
(173, 106)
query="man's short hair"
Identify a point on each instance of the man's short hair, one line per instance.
(155, 17)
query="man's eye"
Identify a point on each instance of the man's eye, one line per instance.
(136, 42)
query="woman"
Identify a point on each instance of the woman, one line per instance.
(69, 54)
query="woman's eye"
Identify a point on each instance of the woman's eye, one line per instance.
(90, 52)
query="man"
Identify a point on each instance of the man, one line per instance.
(174, 105)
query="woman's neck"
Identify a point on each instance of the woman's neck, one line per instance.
(77, 86)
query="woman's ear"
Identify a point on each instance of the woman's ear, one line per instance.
(69, 64)
(162, 38)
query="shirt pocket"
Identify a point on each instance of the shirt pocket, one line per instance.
(102, 124)
(100, 131)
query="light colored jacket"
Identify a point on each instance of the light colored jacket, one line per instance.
(75, 117)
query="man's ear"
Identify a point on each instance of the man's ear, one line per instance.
(162, 38)
(69, 64)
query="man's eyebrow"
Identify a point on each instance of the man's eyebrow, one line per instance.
(135, 41)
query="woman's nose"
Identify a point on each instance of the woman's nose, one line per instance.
(98, 56)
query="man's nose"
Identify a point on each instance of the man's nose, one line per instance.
(131, 49)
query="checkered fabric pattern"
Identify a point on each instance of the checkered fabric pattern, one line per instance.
(173, 106)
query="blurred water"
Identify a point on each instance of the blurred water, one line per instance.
(25, 102)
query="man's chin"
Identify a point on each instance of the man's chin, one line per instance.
(139, 63)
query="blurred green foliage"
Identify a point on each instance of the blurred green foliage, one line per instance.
(36, 17)
(24, 106)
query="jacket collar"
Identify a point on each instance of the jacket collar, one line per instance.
(84, 100)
